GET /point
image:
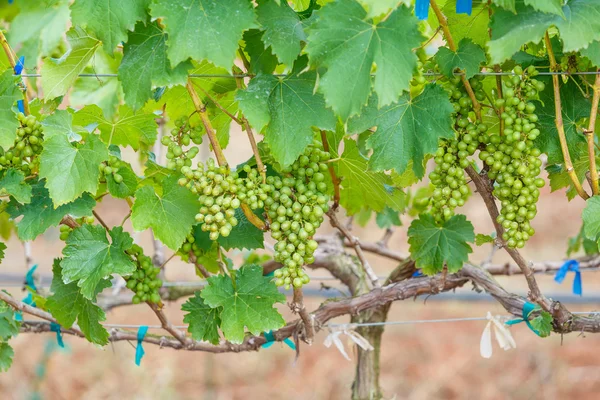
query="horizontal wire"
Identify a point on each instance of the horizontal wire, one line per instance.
(360, 324)
(284, 75)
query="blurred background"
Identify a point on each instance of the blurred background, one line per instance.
(418, 361)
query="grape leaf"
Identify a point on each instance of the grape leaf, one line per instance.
(432, 245)
(145, 64)
(8, 326)
(59, 123)
(575, 107)
(70, 170)
(481, 239)
(127, 129)
(290, 108)
(262, 59)
(6, 356)
(467, 58)
(90, 257)
(543, 324)
(39, 25)
(2, 248)
(361, 187)
(127, 186)
(377, 7)
(559, 178)
(203, 320)
(547, 6)
(509, 31)
(204, 29)
(60, 74)
(591, 218)
(244, 235)
(474, 26)
(170, 214)
(109, 20)
(67, 304)
(40, 214)
(388, 218)
(283, 31)
(345, 42)
(105, 93)
(249, 303)
(9, 94)
(13, 183)
(592, 52)
(406, 130)
(506, 4)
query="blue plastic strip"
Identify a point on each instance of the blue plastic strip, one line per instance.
(271, 339)
(422, 9)
(417, 274)
(464, 6)
(139, 349)
(54, 327)
(29, 281)
(21, 106)
(561, 274)
(19, 65)
(528, 308)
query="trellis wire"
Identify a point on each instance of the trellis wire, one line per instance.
(284, 75)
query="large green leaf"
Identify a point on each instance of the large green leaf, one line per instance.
(9, 327)
(90, 257)
(432, 246)
(203, 320)
(247, 303)
(129, 128)
(548, 6)
(145, 65)
(6, 356)
(60, 74)
(40, 214)
(204, 29)
(593, 52)
(290, 108)
(9, 94)
(377, 7)
(261, 56)
(579, 27)
(406, 131)
(67, 304)
(71, 169)
(347, 43)
(170, 214)
(109, 20)
(12, 182)
(591, 218)
(361, 187)
(474, 26)
(283, 30)
(60, 123)
(559, 177)
(574, 108)
(467, 58)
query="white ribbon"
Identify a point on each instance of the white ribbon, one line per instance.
(502, 333)
(334, 338)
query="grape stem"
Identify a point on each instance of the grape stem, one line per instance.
(297, 307)
(201, 109)
(560, 125)
(219, 106)
(334, 178)
(167, 326)
(452, 46)
(484, 187)
(13, 62)
(355, 243)
(590, 134)
(97, 216)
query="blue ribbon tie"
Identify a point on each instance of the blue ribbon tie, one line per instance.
(139, 349)
(271, 339)
(54, 327)
(561, 274)
(422, 9)
(19, 65)
(30, 282)
(528, 308)
(21, 106)
(464, 6)
(417, 274)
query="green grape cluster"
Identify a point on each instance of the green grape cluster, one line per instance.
(296, 204)
(189, 246)
(110, 169)
(28, 145)
(513, 159)
(220, 190)
(451, 158)
(182, 136)
(66, 230)
(144, 281)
